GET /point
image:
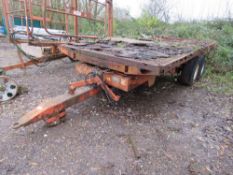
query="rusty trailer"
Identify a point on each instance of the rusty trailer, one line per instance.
(108, 63)
(124, 64)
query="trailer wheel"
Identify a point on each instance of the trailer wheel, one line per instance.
(202, 64)
(190, 72)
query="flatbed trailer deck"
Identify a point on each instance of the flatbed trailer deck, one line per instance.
(123, 64)
(138, 57)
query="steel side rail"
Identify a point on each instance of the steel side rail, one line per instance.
(33, 62)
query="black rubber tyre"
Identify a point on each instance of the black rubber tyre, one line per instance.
(189, 72)
(202, 66)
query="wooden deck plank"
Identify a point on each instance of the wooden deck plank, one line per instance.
(103, 54)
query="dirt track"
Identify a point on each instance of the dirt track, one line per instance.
(167, 129)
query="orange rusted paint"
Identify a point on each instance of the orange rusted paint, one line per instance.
(84, 69)
(75, 85)
(93, 81)
(55, 106)
(56, 118)
(127, 83)
(22, 65)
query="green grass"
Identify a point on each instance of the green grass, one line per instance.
(221, 83)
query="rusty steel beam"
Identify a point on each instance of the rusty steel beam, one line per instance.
(53, 109)
(110, 17)
(94, 81)
(35, 61)
(76, 25)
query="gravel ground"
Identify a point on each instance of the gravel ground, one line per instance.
(168, 129)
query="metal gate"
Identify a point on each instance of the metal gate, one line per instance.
(77, 18)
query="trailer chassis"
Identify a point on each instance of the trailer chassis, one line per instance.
(52, 111)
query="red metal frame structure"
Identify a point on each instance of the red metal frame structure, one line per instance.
(44, 10)
(120, 63)
(107, 19)
(25, 9)
(70, 9)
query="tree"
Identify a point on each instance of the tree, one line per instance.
(229, 12)
(159, 9)
(121, 14)
(148, 21)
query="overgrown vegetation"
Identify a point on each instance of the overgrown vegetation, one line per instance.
(220, 65)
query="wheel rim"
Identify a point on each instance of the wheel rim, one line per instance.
(196, 72)
(202, 69)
